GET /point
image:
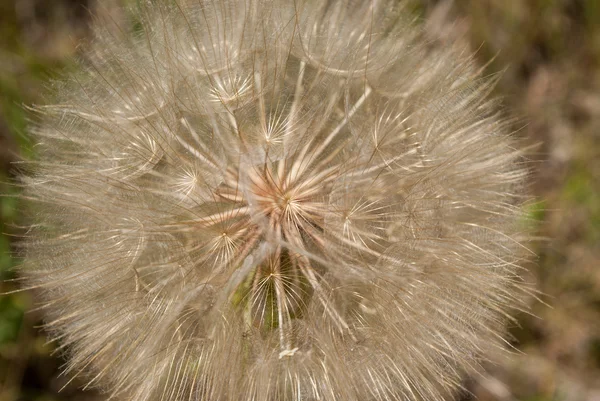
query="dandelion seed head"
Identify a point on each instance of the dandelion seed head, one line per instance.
(269, 200)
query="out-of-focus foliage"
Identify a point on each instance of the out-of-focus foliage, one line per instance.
(550, 52)
(36, 39)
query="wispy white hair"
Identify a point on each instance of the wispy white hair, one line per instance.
(275, 200)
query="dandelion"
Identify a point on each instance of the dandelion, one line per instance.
(274, 200)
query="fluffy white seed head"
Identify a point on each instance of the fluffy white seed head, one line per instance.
(274, 200)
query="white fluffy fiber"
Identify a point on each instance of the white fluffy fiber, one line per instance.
(274, 200)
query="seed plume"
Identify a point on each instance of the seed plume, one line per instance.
(274, 200)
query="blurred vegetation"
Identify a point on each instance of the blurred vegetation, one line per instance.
(36, 39)
(550, 52)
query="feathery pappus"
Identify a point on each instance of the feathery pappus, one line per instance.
(275, 200)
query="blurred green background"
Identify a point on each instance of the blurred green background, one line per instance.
(549, 51)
